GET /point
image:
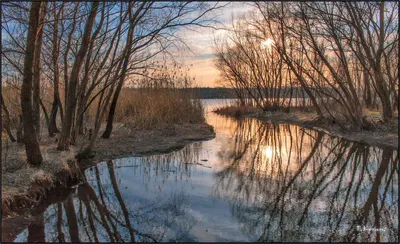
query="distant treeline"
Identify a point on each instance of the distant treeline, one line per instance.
(213, 93)
(223, 93)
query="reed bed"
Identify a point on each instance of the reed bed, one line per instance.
(158, 108)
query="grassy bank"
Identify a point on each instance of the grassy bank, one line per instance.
(24, 185)
(379, 134)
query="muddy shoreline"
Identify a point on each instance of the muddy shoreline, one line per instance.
(124, 142)
(306, 120)
(128, 142)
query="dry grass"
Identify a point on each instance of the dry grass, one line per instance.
(18, 177)
(237, 111)
(158, 108)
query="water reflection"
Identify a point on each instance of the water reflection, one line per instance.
(261, 182)
(98, 212)
(285, 183)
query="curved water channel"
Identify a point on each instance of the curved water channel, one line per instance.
(255, 181)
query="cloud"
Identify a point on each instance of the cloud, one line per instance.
(201, 41)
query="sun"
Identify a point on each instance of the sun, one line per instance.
(267, 152)
(267, 43)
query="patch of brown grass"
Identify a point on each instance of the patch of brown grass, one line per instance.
(22, 181)
(237, 111)
(158, 108)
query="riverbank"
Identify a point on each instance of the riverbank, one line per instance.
(127, 141)
(26, 186)
(383, 135)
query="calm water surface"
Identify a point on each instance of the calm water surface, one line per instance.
(256, 181)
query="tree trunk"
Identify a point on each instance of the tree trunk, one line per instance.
(53, 117)
(64, 141)
(113, 106)
(82, 98)
(20, 136)
(71, 219)
(375, 102)
(80, 125)
(367, 90)
(396, 103)
(61, 236)
(46, 115)
(384, 96)
(31, 140)
(382, 89)
(87, 152)
(36, 230)
(111, 113)
(114, 183)
(36, 71)
(52, 125)
(7, 119)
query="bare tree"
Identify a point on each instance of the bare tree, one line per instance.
(52, 125)
(133, 20)
(376, 32)
(160, 27)
(31, 139)
(65, 135)
(81, 57)
(250, 63)
(37, 69)
(337, 52)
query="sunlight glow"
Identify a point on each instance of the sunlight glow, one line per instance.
(267, 43)
(267, 152)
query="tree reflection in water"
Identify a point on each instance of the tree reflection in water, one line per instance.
(285, 183)
(97, 212)
(268, 182)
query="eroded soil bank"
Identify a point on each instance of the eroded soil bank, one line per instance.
(23, 185)
(383, 135)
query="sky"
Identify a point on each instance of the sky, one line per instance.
(200, 41)
(201, 44)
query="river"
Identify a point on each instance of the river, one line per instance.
(255, 181)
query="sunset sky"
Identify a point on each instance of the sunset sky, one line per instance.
(201, 43)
